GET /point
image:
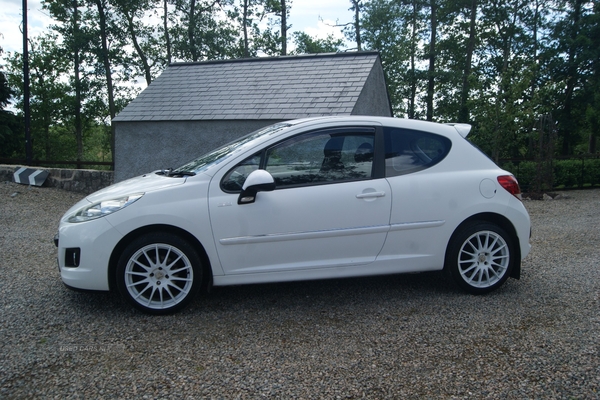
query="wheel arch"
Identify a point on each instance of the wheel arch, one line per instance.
(160, 228)
(503, 223)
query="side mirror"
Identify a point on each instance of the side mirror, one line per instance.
(258, 181)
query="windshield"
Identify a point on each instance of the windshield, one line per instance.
(221, 154)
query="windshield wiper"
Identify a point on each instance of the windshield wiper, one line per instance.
(170, 172)
(164, 171)
(180, 173)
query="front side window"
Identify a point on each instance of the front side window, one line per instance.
(408, 151)
(235, 178)
(311, 158)
(321, 158)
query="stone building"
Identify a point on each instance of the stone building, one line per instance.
(192, 108)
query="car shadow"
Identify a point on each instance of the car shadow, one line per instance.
(330, 292)
(309, 295)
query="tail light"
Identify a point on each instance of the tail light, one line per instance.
(510, 184)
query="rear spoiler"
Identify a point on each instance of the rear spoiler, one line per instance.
(463, 129)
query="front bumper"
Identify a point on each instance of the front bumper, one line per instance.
(84, 251)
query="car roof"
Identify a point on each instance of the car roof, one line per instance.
(428, 126)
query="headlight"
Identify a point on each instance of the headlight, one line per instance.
(103, 208)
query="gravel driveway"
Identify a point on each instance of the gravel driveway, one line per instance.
(405, 336)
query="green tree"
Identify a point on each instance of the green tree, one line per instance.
(466, 61)
(198, 34)
(431, 56)
(505, 72)
(396, 30)
(498, 65)
(456, 47)
(305, 44)
(592, 84)
(273, 39)
(68, 14)
(249, 14)
(568, 34)
(465, 90)
(103, 30)
(151, 45)
(574, 68)
(50, 101)
(10, 129)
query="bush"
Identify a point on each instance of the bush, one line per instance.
(568, 173)
(565, 173)
(591, 172)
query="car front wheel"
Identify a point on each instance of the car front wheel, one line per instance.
(480, 257)
(159, 273)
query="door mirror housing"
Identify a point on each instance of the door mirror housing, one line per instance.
(258, 181)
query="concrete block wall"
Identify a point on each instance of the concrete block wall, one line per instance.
(75, 180)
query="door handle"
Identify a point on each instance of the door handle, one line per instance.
(370, 195)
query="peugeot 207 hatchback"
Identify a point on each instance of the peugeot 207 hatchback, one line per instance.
(306, 199)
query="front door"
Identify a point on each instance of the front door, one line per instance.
(326, 211)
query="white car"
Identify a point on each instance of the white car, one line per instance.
(307, 199)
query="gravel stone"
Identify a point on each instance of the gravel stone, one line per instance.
(404, 336)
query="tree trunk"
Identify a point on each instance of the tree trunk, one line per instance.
(431, 71)
(595, 105)
(166, 26)
(534, 78)
(245, 27)
(413, 52)
(108, 72)
(191, 30)
(356, 6)
(283, 28)
(138, 49)
(46, 120)
(503, 90)
(77, 79)
(567, 120)
(464, 114)
(592, 139)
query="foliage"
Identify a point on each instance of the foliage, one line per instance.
(52, 102)
(308, 45)
(496, 65)
(10, 125)
(5, 91)
(570, 173)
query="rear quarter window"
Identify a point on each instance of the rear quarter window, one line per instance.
(408, 151)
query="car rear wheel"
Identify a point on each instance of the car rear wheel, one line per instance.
(159, 273)
(480, 257)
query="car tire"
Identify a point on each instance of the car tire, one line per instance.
(480, 257)
(159, 273)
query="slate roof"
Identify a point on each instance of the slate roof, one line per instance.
(275, 88)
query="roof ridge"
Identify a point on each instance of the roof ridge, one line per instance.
(277, 58)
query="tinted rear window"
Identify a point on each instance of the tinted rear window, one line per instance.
(408, 151)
